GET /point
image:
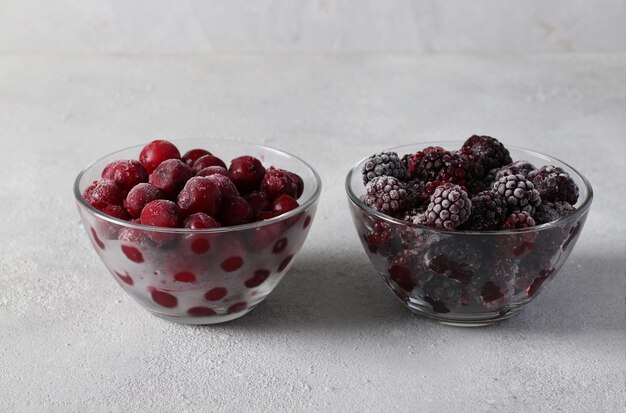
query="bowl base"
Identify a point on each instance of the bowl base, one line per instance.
(465, 320)
(214, 319)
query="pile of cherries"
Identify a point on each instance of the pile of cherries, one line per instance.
(196, 190)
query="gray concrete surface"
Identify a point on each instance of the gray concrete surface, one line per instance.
(331, 337)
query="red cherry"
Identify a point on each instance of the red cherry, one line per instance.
(215, 294)
(200, 194)
(161, 213)
(154, 153)
(236, 211)
(246, 172)
(103, 193)
(278, 181)
(191, 156)
(227, 187)
(206, 161)
(126, 174)
(170, 177)
(258, 201)
(213, 170)
(139, 196)
(263, 215)
(284, 203)
(116, 211)
(200, 220)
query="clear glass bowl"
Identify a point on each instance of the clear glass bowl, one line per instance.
(201, 276)
(466, 278)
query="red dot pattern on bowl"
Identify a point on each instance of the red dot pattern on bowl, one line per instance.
(97, 240)
(200, 245)
(232, 264)
(280, 246)
(132, 254)
(185, 277)
(216, 294)
(125, 277)
(237, 307)
(284, 263)
(257, 279)
(163, 299)
(201, 312)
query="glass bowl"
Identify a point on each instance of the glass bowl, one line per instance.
(466, 278)
(201, 276)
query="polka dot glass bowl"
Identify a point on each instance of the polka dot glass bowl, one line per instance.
(466, 278)
(201, 276)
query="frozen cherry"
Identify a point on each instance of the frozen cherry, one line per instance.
(212, 170)
(278, 181)
(161, 213)
(116, 211)
(103, 193)
(126, 174)
(284, 203)
(227, 187)
(170, 177)
(258, 201)
(154, 153)
(192, 155)
(246, 172)
(139, 196)
(236, 211)
(263, 215)
(206, 161)
(200, 194)
(200, 220)
(216, 294)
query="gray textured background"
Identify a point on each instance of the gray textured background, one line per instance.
(332, 82)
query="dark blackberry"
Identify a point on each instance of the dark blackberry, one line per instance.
(442, 294)
(487, 213)
(426, 164)
(519, 193)
(514, 168)
(449, 207)
(554, 184)
(457, 260)
(407, 270)
(551, 211)
(414, 189)
(385, 194)
(489, 150)
(383, 164)
(517, 220)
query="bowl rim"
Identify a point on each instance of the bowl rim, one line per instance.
(252, 225)
(580, 211)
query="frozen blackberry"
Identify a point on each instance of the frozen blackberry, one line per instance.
(415, 216)
(519, 193)
(554, 184)
(449, 207)
(442, 294)
(488, 212)
(414, 189)
(550, 211)
(514, 168)
(518, 220)
(385, 194)
(426, 164)
(407, 270)
(489, 150)
(457, 260)
(383, 164)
